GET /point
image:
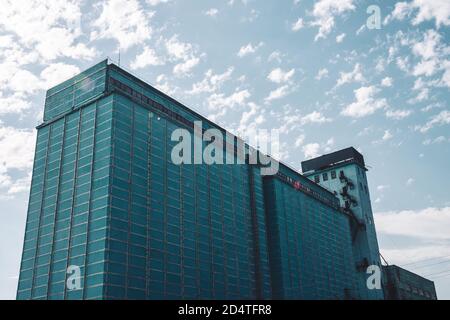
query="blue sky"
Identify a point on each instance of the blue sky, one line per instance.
(311, 69)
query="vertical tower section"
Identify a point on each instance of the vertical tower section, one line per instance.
(67, 220)
(344, 173)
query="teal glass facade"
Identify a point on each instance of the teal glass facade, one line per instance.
(106, 197)
(310, 244)
(401, 284)
(67, 215)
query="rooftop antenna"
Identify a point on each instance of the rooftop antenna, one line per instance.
(119, 57)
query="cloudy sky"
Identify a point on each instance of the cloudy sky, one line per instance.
(312, 70)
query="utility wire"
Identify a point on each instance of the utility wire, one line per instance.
(437, 273)
(424, 260)
(431, 264)
(442, 276)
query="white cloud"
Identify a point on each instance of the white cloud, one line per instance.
(20, 185)
(162, 83)
(252, 16)
(13, 54)
(437, 140)
(436, 9)
(297, 25)
(13, 104)
(365, 131)
(177, 49)
(156, 2)
(17, 146)
(50, 29)
(429, 50)
(276, 55)
(353, 76)
(360, 29)
(329, 145)
(429, 223)
(311, 150)
(247, 126)
(445, 80)
(220, 101)
(431, 106)
(314, 117)
(387, 135)
(425, 67)
(249, 49)
(242, 78)
(421, 96)
(439, 119)
(148, 57)
(422, 87)
(124, 21)
(185, 67)
(382, 187)
(279, 76)
(386, 82)
(278, 93)
(425, 10)
(56, 73)
(381, 65)
(184, 52)
(211, 82)
(24, 81)
(340, 38)
(365, 104)
(6, 41)
(324, 14)
(416, 252)
(409, 182)
(400, 12)
(432, 53)
(398, 114)
(212, 12)
(299, 141)
(322, 73)
(402, 63)
(290, 119)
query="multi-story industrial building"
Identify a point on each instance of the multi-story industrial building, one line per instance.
(107, 200)
(344, 173)
(401, 284)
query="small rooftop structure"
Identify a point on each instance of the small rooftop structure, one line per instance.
(335, 158)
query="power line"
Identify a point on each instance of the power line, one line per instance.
(394, 244)
(442, 276)
(432, 264)
(437, 273)
(424, 260)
